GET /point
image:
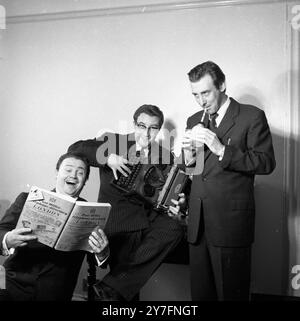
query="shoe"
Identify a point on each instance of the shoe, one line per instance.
(106, 293)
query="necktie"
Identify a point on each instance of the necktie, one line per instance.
(212, 122)
(141, 156)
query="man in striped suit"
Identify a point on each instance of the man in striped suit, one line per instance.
(140, 237)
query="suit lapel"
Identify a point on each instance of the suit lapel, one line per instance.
(229, 118)
(227, 122)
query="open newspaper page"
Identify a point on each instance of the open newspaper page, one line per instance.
(85, 217)
(45, 213)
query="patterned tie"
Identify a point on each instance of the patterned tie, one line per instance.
(212, 122)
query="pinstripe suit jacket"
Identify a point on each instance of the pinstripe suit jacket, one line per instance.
(127, 214)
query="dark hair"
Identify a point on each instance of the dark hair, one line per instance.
(207, 68)
(150, 110)
(75, 155)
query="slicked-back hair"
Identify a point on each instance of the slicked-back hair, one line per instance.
(150, 110)
(207, 68)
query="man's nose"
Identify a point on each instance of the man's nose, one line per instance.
(147, 132)
(202, 101)
(73, 174)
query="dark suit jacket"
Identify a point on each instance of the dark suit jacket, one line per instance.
(224, 192)
(36, 271)
(127, 214)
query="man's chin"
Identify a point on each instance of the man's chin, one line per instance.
(71, 192)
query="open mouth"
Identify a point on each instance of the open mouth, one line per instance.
(70, 183)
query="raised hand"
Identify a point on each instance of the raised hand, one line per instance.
(98, 240)
(180, 205)
(210, 139)
(118, 163)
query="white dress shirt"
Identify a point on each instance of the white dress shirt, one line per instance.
(222, 111)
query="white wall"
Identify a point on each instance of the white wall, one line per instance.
(66, 79)
(29, 7)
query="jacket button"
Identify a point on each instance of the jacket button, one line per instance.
(204, 179)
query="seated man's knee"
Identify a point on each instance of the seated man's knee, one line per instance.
(178, 230)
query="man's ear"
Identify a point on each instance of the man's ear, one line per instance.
(223, 87)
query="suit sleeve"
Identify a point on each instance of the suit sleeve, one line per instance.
(96, 150)
(190, 123)
(258, 156)
(11, 216)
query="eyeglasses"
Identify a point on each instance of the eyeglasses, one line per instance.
(143, 127)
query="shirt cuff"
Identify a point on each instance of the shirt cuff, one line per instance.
(102, 256)
(5, 250)
(222, 153)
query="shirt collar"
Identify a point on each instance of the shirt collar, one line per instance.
(222, 111)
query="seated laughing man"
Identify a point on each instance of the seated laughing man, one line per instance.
(34, 271)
